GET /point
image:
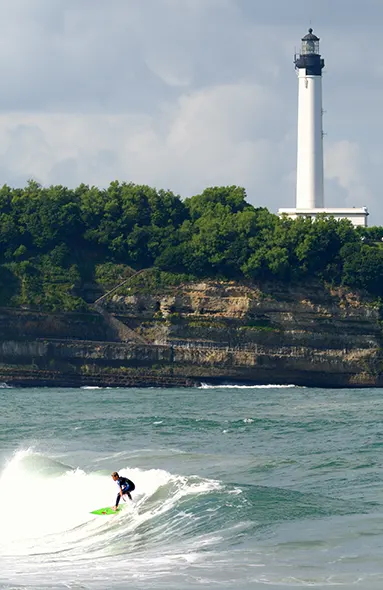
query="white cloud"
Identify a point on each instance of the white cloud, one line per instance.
(183, 94)
(343, 163)
(213, 136)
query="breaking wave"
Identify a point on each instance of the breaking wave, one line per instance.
(174, 521)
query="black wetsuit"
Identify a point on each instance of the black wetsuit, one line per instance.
(126, 486)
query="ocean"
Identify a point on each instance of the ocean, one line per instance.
(236, 487)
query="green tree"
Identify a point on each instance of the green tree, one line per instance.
(363, 268)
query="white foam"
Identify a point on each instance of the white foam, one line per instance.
(207, 386)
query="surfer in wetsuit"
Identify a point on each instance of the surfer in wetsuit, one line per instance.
(125, 487)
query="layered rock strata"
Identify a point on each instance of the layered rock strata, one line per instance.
(201, 332)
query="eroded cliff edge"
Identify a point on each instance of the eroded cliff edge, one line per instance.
(200, 332)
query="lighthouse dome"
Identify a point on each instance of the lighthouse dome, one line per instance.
(310, 36)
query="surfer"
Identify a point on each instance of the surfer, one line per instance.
(125, 487)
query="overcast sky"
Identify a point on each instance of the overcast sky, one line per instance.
(185, 94)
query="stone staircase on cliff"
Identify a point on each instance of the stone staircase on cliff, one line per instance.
(122, 331)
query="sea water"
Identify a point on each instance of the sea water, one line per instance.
(236, 487)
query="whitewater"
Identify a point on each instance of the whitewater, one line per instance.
(236, 487)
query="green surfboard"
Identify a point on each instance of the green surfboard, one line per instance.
(107, 510)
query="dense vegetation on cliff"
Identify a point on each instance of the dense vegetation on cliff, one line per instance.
(55, 240)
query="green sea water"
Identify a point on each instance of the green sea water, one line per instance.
(236, 487)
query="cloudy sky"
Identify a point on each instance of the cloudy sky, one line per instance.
(185, 94)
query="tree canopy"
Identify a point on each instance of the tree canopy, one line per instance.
(54, 240)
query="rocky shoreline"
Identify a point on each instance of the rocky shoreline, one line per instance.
(211, 332)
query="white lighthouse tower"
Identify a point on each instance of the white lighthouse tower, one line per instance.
(309, 188)
(309, 65)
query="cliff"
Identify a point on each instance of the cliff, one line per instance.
(209, 331)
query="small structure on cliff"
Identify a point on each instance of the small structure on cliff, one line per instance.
(309, 188)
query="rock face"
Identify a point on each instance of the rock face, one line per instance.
(210, 331)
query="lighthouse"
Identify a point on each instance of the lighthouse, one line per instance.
(309, 65)
(310, 170)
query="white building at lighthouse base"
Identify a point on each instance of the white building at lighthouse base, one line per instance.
(357, 215)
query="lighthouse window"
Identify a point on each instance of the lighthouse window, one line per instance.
(310, 46)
